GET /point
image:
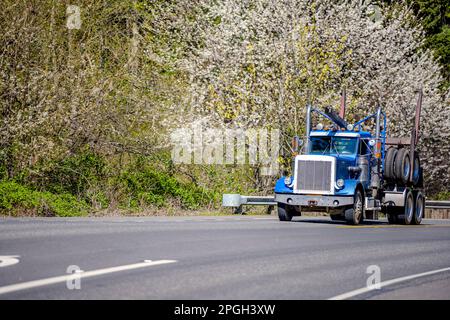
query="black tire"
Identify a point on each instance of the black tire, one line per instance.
(392, 218)
(355, 215)
(419, 208)
(416, 169)
(391, 213)
(402, 165)
(285, 212)
(420, 183)
(389, 163)
(337, 217)
(407, 215)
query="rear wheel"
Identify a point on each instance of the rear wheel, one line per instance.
(416, 169)
(408, 210)
(390, 162)
(402, 165)
(419, 207)
(355, 215)
(285, 212)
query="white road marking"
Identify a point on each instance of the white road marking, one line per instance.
(358, 292)
(86, 274)
(6, 261)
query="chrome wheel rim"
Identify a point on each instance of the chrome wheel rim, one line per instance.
(358, 208)
(419, 208)
(409, 208)
(406, 169)
(416, 170)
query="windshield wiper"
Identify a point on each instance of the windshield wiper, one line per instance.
(332, 142)
(328, 146)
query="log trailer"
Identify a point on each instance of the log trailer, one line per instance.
(353, 174)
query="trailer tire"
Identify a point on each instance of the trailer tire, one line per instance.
(355, 215)
(407, 215)
(285, 212)
(402, 165)
(389, 163)
(416, 169)
(419, 208)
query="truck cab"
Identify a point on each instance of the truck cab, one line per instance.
(329, 173)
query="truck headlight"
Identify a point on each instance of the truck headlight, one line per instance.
(287, 181)
(340, 183)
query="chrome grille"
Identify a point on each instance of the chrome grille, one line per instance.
(313, 175)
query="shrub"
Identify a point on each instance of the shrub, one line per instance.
(444, 195)
(74, 174)
(148, 185)
(16, 198)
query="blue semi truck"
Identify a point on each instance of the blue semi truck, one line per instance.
(353, 174)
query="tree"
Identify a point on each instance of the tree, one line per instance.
(434, 17)
(63, 89)
(260, 62)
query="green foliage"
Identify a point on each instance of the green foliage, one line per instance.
(81, 111)
(17, 199)
(147, 185)
(97, 182)
(440, 43)
(435, 19)
(444, 195)
(435, 14)
(74, 174)
(3, 171)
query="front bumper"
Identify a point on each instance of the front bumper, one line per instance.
(304, 200)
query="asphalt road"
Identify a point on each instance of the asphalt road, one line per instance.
(236, 257)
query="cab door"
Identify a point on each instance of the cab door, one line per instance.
(363, 161)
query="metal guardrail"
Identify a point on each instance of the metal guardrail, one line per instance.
(237, 201)
(433, 204)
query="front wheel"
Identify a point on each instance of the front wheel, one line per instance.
(285, 212)
(355, 215)
(337, 217)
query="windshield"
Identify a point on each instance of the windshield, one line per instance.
(333, 145)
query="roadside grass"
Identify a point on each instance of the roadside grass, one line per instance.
(16, 199)
(86, 184)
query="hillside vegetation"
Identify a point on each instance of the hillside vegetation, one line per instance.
(86, 112)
